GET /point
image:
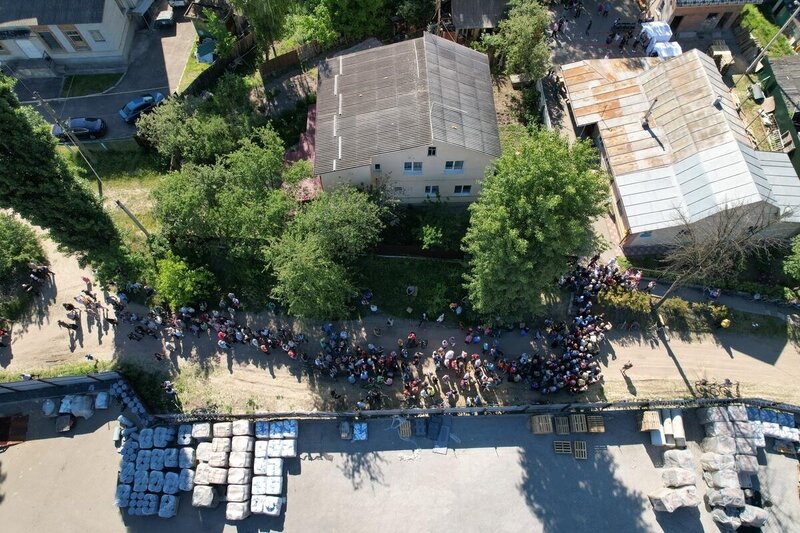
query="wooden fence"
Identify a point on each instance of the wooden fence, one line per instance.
(208, 77)
(291, 59)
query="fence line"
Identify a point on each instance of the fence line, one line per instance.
(31, 389)
(487, 410)
(292, 58)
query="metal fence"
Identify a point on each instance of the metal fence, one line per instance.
(16, 391)
(486, 410)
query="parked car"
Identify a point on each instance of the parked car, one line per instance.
(80, 127)
(137, 106)
(178, 3)
(165, 19)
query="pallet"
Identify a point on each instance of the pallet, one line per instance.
(578, 423)
(650, 420)
(563, 447)
(580, 449)
(405, 430)
(541, 424)
(562, 425)
(596, 423)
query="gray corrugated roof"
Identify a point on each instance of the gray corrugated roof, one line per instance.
(470, 14)
(787, 74)
(402, 96)
(52, 11)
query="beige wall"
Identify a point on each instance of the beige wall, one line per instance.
(695, 18)
(116, 29)
(411, 188)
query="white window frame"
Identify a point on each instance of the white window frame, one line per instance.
(97, 36)
(431, 191)
(456, 167)
(412, 168)
(462, 190)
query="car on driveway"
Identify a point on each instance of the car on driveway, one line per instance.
(80, 127)
(137, 106)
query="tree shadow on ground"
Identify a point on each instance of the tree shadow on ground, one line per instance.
(361, 467)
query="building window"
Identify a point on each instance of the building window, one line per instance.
(412, 168)
(711, 16)
(431, 191)
(399, 191)
(3, 50)
(75, 38)
(462, 190)
(49, 40)
(454, 167)
(376, 167)
(431, 151)
(97, 36)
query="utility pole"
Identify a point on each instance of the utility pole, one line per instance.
(133, 218)
(74, 140)
(438, 16)
(774, 37)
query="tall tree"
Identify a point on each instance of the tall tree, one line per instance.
(180, 284)
(716, 247)
(315, 25)
(36, 182)
(357, 19)
(417, 13)
(520, 39)
(536, 210)
(267, 18)
(309, 282)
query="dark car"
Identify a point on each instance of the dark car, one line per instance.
(82, 128)
(140, 105)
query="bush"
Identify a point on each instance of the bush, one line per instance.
(20, 245)
(622, 301)
(763, 30)
(179, 284)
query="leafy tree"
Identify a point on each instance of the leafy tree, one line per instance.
(791, 263)
(521, 39)
(224, 40)
(535, 211)
(357, 19)
(267, 18)
(716, 247)
(20, 245)
(314, 26)
(298, 171)
(258, 163)
(308, 280)
(417, 13)
(36, 182)
(345, 221)
(179, 284)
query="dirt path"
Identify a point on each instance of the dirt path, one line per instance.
(244, 379)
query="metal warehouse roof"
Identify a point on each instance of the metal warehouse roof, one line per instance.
(471, 14)
(694, 156)
(43, 12)
(403, 95)
(787, 75)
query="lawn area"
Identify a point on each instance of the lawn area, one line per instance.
(439, 283)
(763, 30)
(129, 173)
(88, 84)
(749, 110)
(191, 71)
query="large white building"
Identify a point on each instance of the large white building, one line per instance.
(68, 33)
(418, 113)
(670, 136)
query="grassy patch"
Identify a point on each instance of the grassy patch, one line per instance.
(192, 69)
(702, 317)
(749, 110)
(290, 124)
(433, 225)
(83, 85)
(763, 30)
(439, 283)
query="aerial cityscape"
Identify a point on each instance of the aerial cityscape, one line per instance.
(391, 265)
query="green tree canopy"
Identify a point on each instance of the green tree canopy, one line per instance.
(267, 18)
(346, 222)
(20, 245)
(179, 284)
(791, 263)
(417, 13)
(314, 25)
(224, 40)
(36, 182)
(258, 162)
(309, 282)
(520, 39)
(357, 19)
(535, 211)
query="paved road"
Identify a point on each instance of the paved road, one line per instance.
(157, 62)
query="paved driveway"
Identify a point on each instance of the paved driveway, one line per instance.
(157, 62)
